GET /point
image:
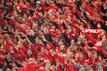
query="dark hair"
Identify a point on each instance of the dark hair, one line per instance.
(90, 45)
(1, 66)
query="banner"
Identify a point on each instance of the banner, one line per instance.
(94, 31)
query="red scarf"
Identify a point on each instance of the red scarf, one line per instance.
(39, 15)
(90, 10)
(35, 50)
(54, 6)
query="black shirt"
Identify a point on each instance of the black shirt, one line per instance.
(48, 38)
(31, 38)
(66, 39)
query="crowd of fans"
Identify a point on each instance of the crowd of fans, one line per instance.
(47, 35)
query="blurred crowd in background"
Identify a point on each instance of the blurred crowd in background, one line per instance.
(48, 35)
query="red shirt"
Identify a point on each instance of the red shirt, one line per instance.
(31, 66)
